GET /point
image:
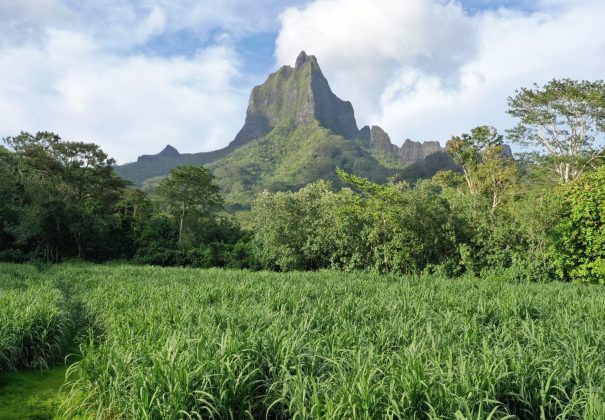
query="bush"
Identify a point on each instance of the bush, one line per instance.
(578, 247)
(390, 228)
(242, 255)
(13, 255)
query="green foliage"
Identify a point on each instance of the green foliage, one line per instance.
(149, 167)
(191, 232)
(289, 158)
(387, 228)
(235, 344)
(298, 230)
(35, 323)
(61, 196)
(186, 190)
(497, 174)
(495, 227)
(512, 237)
(405, 229)
(62, 200)
(565, 118)
(578, 245)
(189, 187)
(477, 149)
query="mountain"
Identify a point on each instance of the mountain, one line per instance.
(409, 152)
(296, 97)
(296, 131)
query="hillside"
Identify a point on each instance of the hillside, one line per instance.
(291, 157)
(296, 131)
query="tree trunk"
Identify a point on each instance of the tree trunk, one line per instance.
(181, 225)
(467, 178)
(495, 202)
(79, 248)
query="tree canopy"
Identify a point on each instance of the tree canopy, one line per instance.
(565, 118)
(189, 188)
(536, 216)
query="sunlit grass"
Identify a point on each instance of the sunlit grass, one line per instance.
(173, 343)
(34, 326)
(27, 394)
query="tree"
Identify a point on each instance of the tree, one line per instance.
(67, 191)
(387, 228)
(405, 228)
(565, 118)
(466, 150)
(578, 245)
(188, 188)
(9, 193)
(133, 213)
(295, 230)
(496, 174)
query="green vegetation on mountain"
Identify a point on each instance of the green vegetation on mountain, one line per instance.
(319, 200)
(150, 166)
(289, 158)
(296, 131)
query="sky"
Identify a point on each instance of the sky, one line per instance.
(135, 75)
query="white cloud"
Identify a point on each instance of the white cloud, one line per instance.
(123, 24)
(129, 105)
(33, 10)
(423, 69)
(362, 45)
(84, 69)
(75, 67)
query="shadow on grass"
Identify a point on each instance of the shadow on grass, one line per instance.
(28, 394)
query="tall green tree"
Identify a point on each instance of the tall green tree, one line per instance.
(187, 189)
(578, 245)
(9, 197)
(406, 228)
(565, 119)
(67, 195)
(307, 229)
(466, 151)
(496, 174)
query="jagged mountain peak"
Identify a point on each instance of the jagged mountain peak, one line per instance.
(169, 151)
(378, 138)
(296, 96)
(414, 151)
(304, 58)
(296, 131)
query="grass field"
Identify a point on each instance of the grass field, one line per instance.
(174, 343)
(26, 394)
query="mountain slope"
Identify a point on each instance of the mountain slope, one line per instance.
(291, 157)
(150, 166)
(296, 131)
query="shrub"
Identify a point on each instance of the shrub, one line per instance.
(578, 247)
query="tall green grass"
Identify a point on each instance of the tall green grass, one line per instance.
(35, 324)
(178, 343)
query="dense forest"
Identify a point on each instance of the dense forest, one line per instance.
(539, 215)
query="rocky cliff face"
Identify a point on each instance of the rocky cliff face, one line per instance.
(414, 151)
(296, 130)
(378, 138)
(409, 152)
(296, 97)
